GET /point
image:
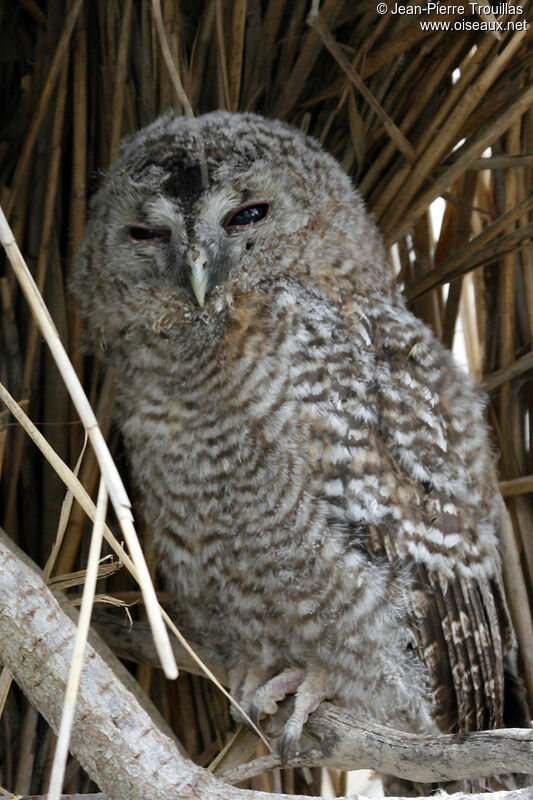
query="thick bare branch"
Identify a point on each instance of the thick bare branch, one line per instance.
(517, 794)
(345, 742)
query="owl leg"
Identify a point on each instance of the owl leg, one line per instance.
(267, 697)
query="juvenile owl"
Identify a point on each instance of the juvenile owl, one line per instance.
(315, 468)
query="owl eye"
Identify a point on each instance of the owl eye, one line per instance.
(248, 215)
(145, 234)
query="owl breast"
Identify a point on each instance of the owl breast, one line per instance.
(246, 522)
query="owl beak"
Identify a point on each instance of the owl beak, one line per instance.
(197, 261)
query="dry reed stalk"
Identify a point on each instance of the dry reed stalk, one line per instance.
(78, 196)
(517, 596)
(72, 482)
(288, 44)
(383, 193)
(26, 751)
(521, 516)
(444, 130)
(427, 307)
(3, 440)
(507, 286)
(119, 86)
(397, 44)
(470, 150)
(55, 67)
(471, 329)
(455, 229)
(169, 61)
(311, 45)
(455, 265)
(66, 510)
(42, 264)
(64, 472)
(502, 162)
(89, 478)
(392, 129)
(114, 483)
(82, 632)
(84, 500)
(516, 486)
(34, 10)
(514, 370)
(236, 53)
(200, 52)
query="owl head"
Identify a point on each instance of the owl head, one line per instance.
(195, 212)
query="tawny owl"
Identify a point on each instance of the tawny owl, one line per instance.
(315, 468)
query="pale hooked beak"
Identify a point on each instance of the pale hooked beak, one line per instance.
(197, 261)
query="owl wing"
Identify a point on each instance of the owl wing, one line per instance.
(435, 436)
(403, 463)
(462, 632)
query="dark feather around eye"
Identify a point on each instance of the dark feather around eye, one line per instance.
(248, 215)
(146, 234)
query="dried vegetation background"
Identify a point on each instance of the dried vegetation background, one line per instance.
(412, 115)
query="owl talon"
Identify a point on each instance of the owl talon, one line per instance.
(310, 694)
(290, 744)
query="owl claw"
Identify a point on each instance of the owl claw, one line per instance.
(310, 694)
(290, 743)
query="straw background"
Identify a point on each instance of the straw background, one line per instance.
(411, 115)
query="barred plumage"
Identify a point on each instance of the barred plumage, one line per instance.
(315, 468)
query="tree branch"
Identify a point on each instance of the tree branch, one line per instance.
(343, 741)
(115, 738)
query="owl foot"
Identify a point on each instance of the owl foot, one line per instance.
(310, 690)
(310, 694)
(267, 697)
